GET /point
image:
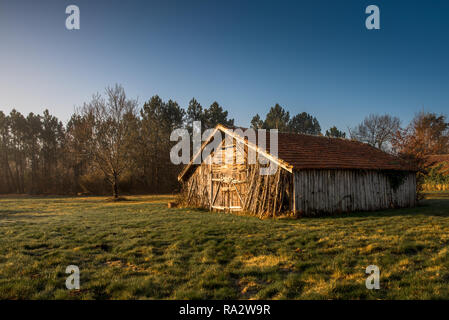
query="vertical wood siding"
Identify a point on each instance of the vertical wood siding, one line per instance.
(334, 191)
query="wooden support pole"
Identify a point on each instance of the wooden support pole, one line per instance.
(211, 191)
(294, 192)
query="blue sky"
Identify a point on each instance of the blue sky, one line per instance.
(313, 56)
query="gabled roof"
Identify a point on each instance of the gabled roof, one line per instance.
(301, 151)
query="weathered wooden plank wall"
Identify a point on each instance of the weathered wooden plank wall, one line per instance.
(221, 185)
(238, 186)
(256, 194)
(334, 191)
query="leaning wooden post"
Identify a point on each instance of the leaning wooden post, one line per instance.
(276, 192)
(294, 192)
(211, 192)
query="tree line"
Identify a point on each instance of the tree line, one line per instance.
(109, 145)
(427, 133)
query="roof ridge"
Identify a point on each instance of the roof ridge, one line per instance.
(299, 151)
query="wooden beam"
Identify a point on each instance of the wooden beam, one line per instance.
(184, 171)
(224, 208)
(266, 154)
(238, 193)
(216, 194)
(251, 145)
(294, 193)
(190, 191)
(211, 191)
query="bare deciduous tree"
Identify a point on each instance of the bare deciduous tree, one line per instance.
(427, 134)
(110, 123)
(376, 130)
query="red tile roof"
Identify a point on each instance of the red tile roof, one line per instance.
(317, 152)
(300, 151)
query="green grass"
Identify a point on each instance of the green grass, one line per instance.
(139, 249)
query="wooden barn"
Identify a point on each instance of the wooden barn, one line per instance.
(315, 175)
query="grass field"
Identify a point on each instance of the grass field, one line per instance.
(139, 249)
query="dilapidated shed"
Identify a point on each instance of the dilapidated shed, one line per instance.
(315, 175)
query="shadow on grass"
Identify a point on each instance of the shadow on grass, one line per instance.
(21, 214)
(6, 217)
(428, 207)
(119, 199)
(6, 212)
(9, 213)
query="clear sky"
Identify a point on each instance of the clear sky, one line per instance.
(313, 56)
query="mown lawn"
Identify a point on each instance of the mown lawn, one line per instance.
(139, 249)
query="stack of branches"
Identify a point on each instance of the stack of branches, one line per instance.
(266, 196)
(194, 193)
